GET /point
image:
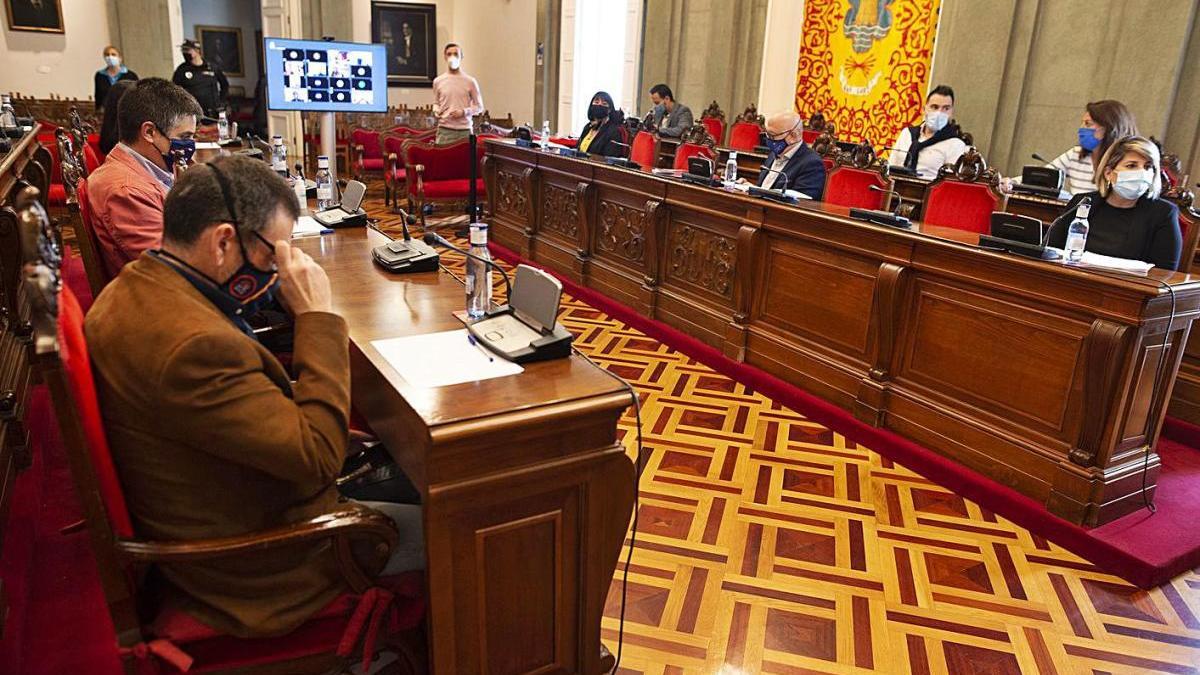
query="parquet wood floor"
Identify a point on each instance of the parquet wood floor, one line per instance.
(769, 544)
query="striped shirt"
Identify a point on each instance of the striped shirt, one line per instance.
(1077, 171)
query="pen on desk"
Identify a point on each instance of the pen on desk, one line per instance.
(312, 234)
(481, 348)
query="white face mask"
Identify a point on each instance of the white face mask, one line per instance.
(1133, 183)
(455, 62)
(112, 61)
(936, 120)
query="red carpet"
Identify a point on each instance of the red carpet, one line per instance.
(1143, 548)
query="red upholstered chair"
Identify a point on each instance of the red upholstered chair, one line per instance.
(1189, 223)
(441, 173)
(395, 175)
(815, 128)
(166, 640)
(56, 195)
(745, 136)
(644, 150)
(91, 158)
(695, 141)
(713, 119)
(93, 141)
(851, 180)
(964, 195)
(366, 154)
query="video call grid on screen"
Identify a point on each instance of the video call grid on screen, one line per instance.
(323, 76)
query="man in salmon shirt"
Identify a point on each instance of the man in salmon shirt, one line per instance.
(156, 123)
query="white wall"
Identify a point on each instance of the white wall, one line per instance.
(40, 64)
(413, 96)
(781, 50)
(244, 14)
(499, 38)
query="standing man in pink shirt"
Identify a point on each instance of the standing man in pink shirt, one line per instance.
(457, 98)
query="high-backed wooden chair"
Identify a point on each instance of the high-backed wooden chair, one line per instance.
(815, 126)
(1189, 222)
(98, 274)
(826, 145)
(395, 175)
(441, 173)
(713, 119)
(161, 638)
(366, 154)
(644, 150)
(695, 142)
(964, 195)
(858, 180)
(746, 132)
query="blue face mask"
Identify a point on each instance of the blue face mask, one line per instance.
(777, 146)
(180, 148)
(248, 285)
(1087, 139)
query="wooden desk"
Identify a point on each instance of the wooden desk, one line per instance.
(30, 162)
(526, 492)
(1035, 374)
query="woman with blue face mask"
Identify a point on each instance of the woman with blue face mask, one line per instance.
(1103, 122)
(113, 72)
(1127, 218)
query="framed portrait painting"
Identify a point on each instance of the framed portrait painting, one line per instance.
(39, 16)
(409, 30)
(222, 47)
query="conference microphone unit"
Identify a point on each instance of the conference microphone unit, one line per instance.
(623, 162)
(406, 255)
(1039, 158)
(435, 239)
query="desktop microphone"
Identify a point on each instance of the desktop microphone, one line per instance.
(897, 195)
(624, 161)
(1039, 158)
(779, 195)
(433, 238)
(408, 254)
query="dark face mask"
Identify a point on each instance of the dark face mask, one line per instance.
(597, 111)
(179, 149)
(248, 285)
(777, 145)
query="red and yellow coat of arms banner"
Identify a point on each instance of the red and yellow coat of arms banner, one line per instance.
(864, 65)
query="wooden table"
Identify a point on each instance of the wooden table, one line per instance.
(526, 492)
(1037, 375)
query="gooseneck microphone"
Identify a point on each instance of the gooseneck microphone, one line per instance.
(900, 198)
(435, 239)
(406, 219)
(1039, 158)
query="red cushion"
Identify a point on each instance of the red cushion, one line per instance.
(371, 164)
(565, 141)
(57, 195)
(688, 150)
(810, 135)
(369, 140)
(744, 136)
(320, 634)
(445, 162)
(848, 186)
(91, 158)
(455, 188)
(78, 369)
(644, 150)
(399, 174)
(828, 162)
(715, 126)
(966, 206)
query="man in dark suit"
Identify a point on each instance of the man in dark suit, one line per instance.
(792, 164)
(409, 51)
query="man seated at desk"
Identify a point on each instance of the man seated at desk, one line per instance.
(210, 436)
(156, 123)
(937, 141)
(791, 164)
(669, 118)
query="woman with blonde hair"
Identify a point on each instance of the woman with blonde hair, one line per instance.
(113, 72)
(1127, 219)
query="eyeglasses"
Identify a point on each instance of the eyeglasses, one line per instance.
(783, 134)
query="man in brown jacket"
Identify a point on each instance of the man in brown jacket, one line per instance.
(209, 435)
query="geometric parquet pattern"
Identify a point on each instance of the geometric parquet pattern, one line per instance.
(769, 544)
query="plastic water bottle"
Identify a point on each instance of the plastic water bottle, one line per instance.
(279, 156)
(731, 168)
(301, 189)
(8, 118)
(1077, 231)
(479, 275)
(223, 127)
(324, 180)
(545, 140)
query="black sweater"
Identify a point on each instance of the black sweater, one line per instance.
(1147, 231)
(611, 139)
(102, 84)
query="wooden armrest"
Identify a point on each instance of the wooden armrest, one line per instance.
(343, 524)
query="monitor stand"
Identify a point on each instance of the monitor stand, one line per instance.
(329, 144)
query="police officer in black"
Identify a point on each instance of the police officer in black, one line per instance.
(205, 81)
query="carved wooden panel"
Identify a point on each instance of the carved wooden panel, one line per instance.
(511, 194)
(622, 231)
(703, 258)
(1014, 362)
(560, 211)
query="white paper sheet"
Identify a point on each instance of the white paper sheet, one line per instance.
(1109, 262)
(442, 359)
(306, 226)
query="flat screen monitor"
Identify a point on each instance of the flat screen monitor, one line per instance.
(319, 76)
